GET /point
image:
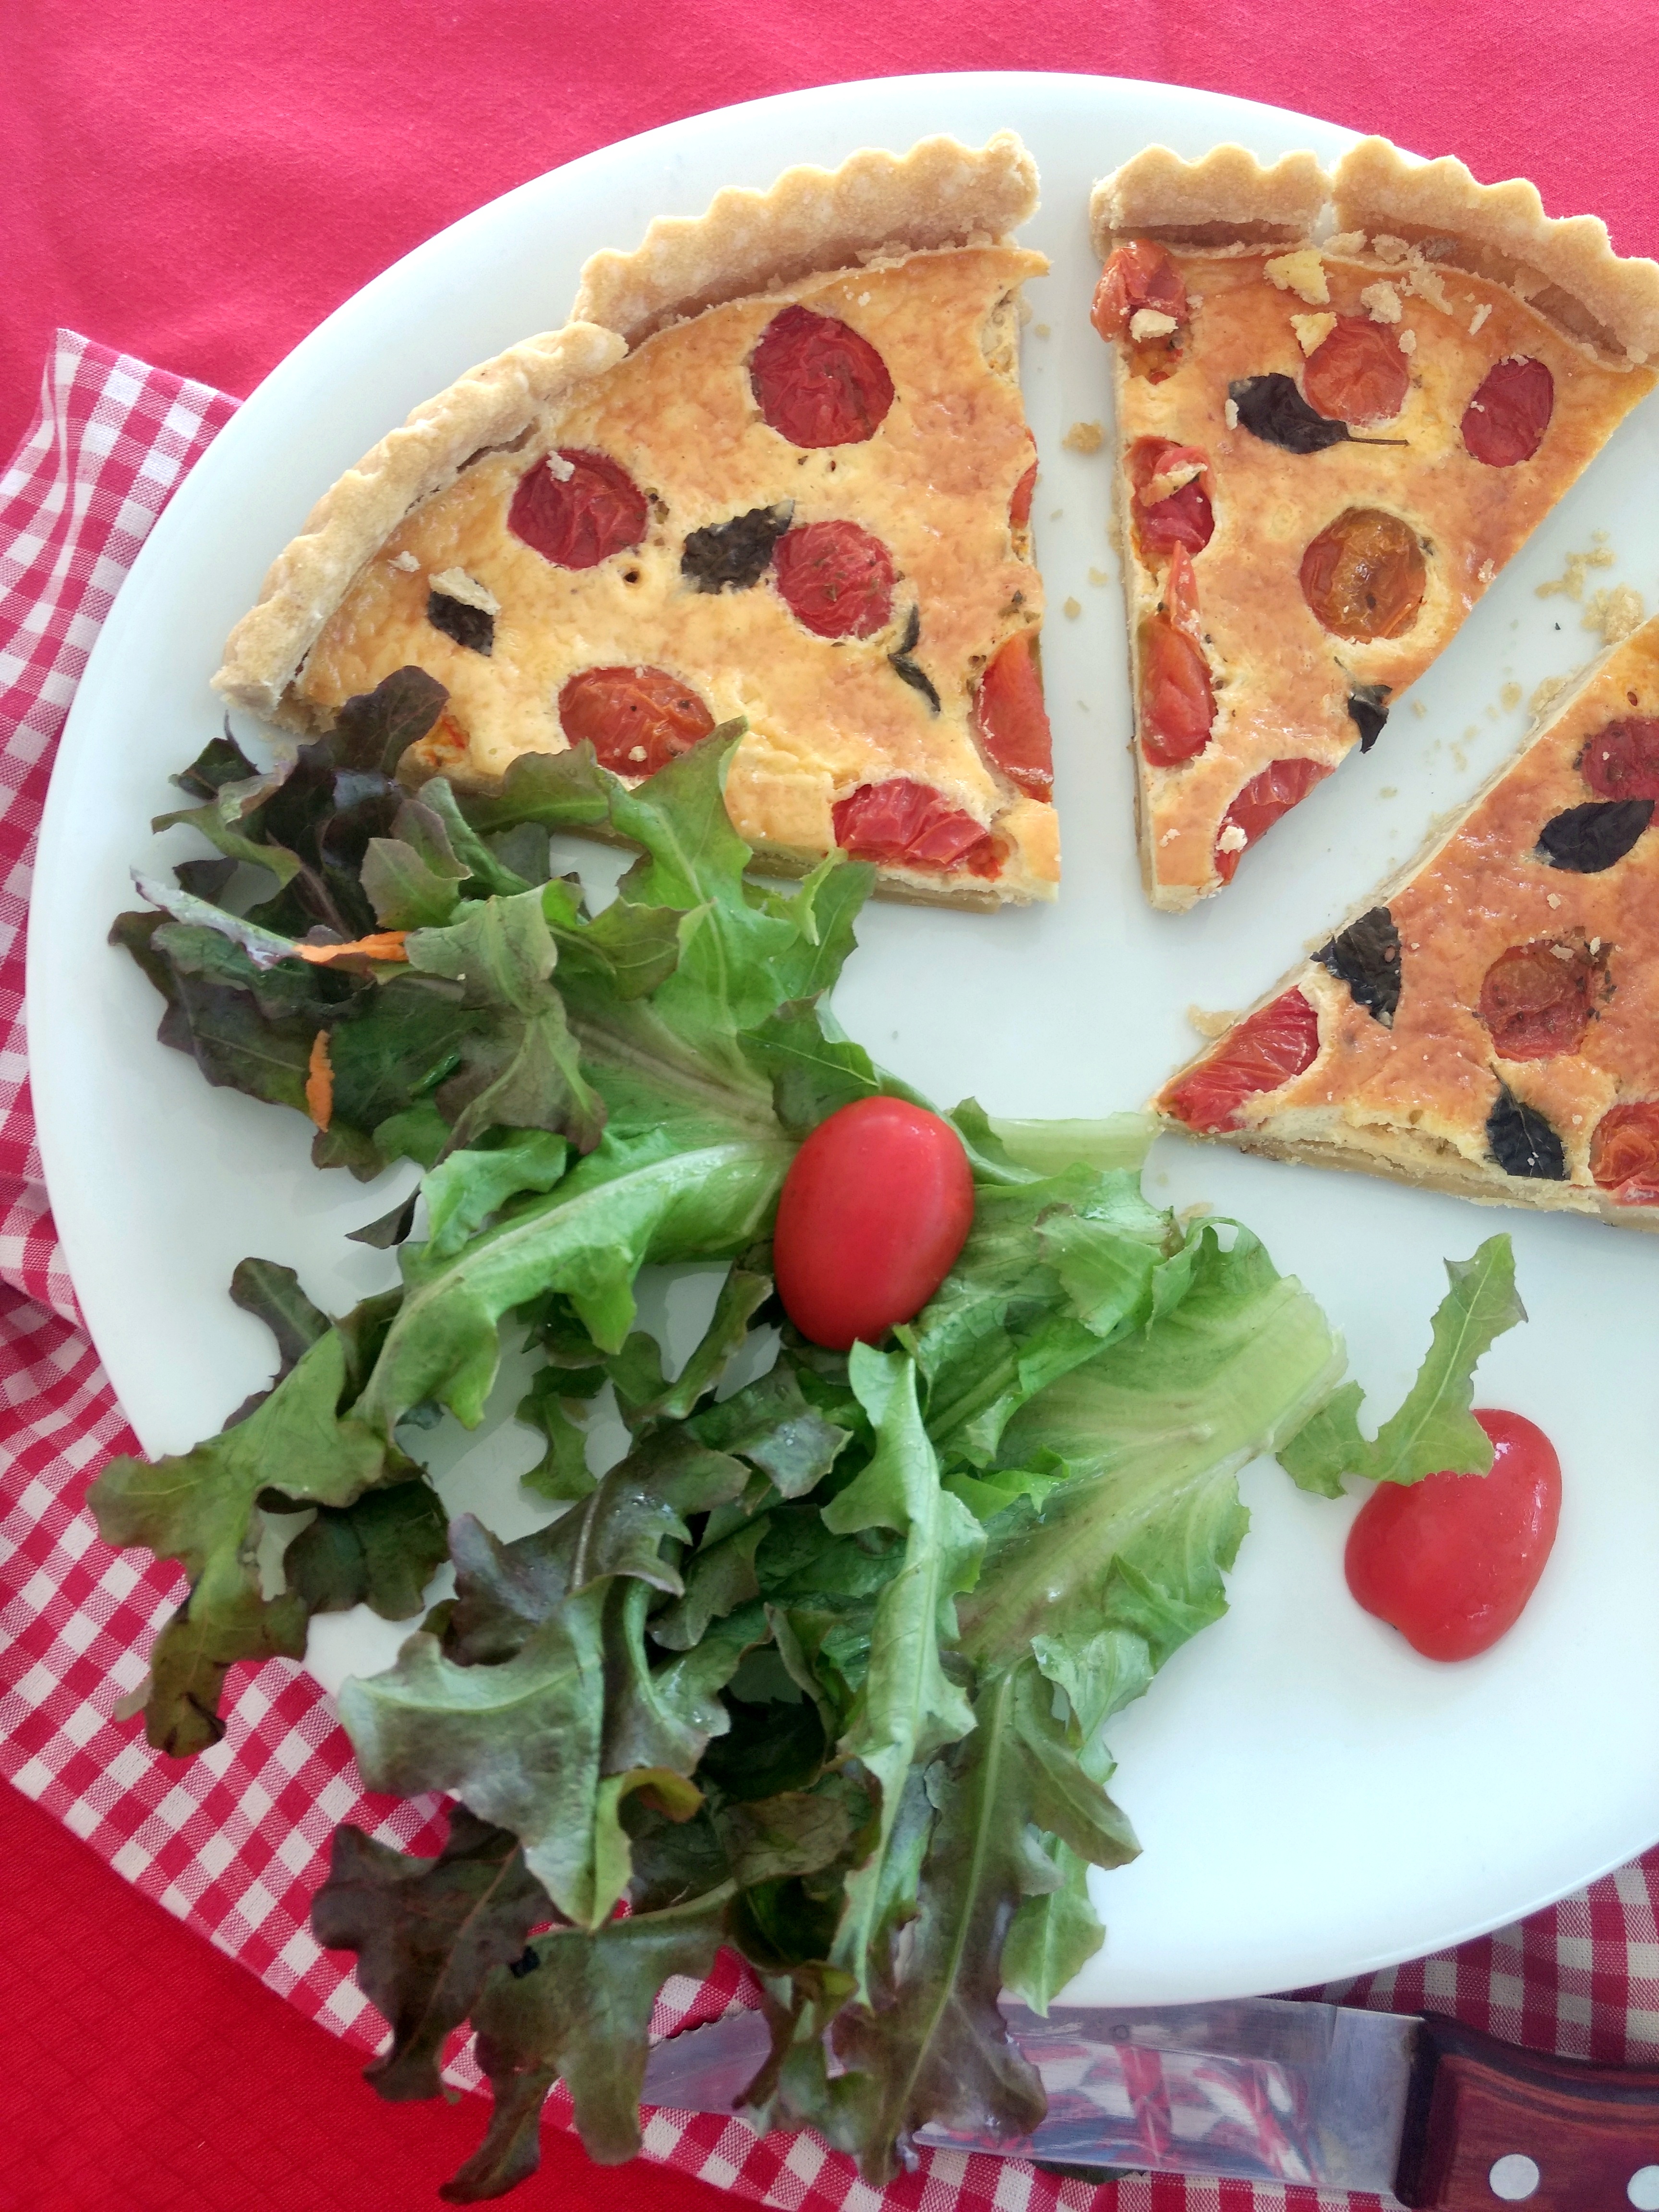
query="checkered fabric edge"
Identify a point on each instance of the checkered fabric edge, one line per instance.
(235, 1842)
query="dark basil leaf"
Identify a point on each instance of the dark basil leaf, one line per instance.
(906, 669)
(469, 626)
(1522, 1142)
(1272, 408)
(1367, 712)
(1588, 839)
(732, 555)
(1366, 955)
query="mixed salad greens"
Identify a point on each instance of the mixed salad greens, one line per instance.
(818, 1669)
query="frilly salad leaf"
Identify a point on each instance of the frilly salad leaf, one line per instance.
(823, 1667)
(1433, 1431)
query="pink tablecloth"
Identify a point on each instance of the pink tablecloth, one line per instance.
(201, 185)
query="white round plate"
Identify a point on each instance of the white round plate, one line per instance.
(1312, 1799)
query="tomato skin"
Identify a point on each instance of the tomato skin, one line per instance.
(875, 1207)
(622, 711)
(1186, 517)
(1624, 1159)
(1267, 1048)
(901, 824)
(1505, 421)
(1358, 373)
(578, 520)
(835, 579)
(1622, 761)
(1019, 506)
(816, 382)
(1451, 1560)
(1012, 722)
(1139, 275)
(1281, 785)
(1177, 703)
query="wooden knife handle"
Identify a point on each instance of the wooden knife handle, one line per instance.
(1474, 2100)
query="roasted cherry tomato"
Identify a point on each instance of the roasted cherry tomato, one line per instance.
(1536, 999)
(817, 382)
(1274, 1043)
(1177, 704)
(1182, 517)
(578, 520)
(1139, 275)
(1019, 507)
(1364, 575)
(874, 1209)
(836, 578)
(1011, 721)
(1450, 1561)
(1281, 785)
(1357, 372)
(903, 825)
(636, 719)
(1622, 761)
(1624, 1156)
(1505, 421)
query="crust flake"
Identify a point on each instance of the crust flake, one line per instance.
(940, 193)
(1227, 198)
(490, 407)
(1566, 268)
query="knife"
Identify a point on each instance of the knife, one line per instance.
(1420, 2108)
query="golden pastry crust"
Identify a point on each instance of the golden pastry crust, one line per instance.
(875, 205)
(1411, 1099)
(491, 407)
(1228, 198)
(1566, 268)
(1282, 680)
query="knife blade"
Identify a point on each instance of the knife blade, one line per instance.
(1420, 2108)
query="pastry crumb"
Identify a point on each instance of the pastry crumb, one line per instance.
(1071, 607)
(1426, 280)
(1486, 571)
(559, 469)
(1480, 316)
(1098, 576)
(1301, 272)
(1553, 899)
(1545, 697)
(1195, 1211)
(1151, 323)
(1057, 512)
(406, 561)
(1210, 1024)
(1232, 839)
(1381, 302)
(1343, 244)
(1389, 791)
(1569, 584)
(1614, 615)
(1389, 250)
(1230, 414)
(1044, 331)
(1419, 708)
(1312, 330)
(1509, 697)
(456, 584)
(1084, 438)
(1407, 341)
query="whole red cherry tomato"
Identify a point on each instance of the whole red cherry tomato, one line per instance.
(817, 382)
(1450, 1561)
(1505, 421)
(875, 1208)
(580, 517)
(1358, 374)
(836, 578)
(636, 719)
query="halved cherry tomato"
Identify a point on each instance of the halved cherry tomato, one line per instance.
(901, 824)
(817, 382)
(1265, 1050)
(1505, 421)
(1536, 999)
(836, 578)
(1019, 507)
(1364, 575)
(1281, 785)
(1184, 517)
(579, 520)
(1139, 275)
(1357, 372)
(1451, 1560)
(1624, 1158)
(1011, 721)
(636, 719)
(1622, 761)
(1177, 705)
(875, 1207)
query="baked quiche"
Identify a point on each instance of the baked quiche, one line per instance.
(1490, 1026)
(1330, 441)
(775, 467)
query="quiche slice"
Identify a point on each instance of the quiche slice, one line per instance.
(1330, 443)
(1489, 1025)
(777, 466)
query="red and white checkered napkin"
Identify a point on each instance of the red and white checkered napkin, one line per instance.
(235, 1842)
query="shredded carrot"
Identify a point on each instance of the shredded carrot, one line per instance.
(384, 944)
(319, 1082)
